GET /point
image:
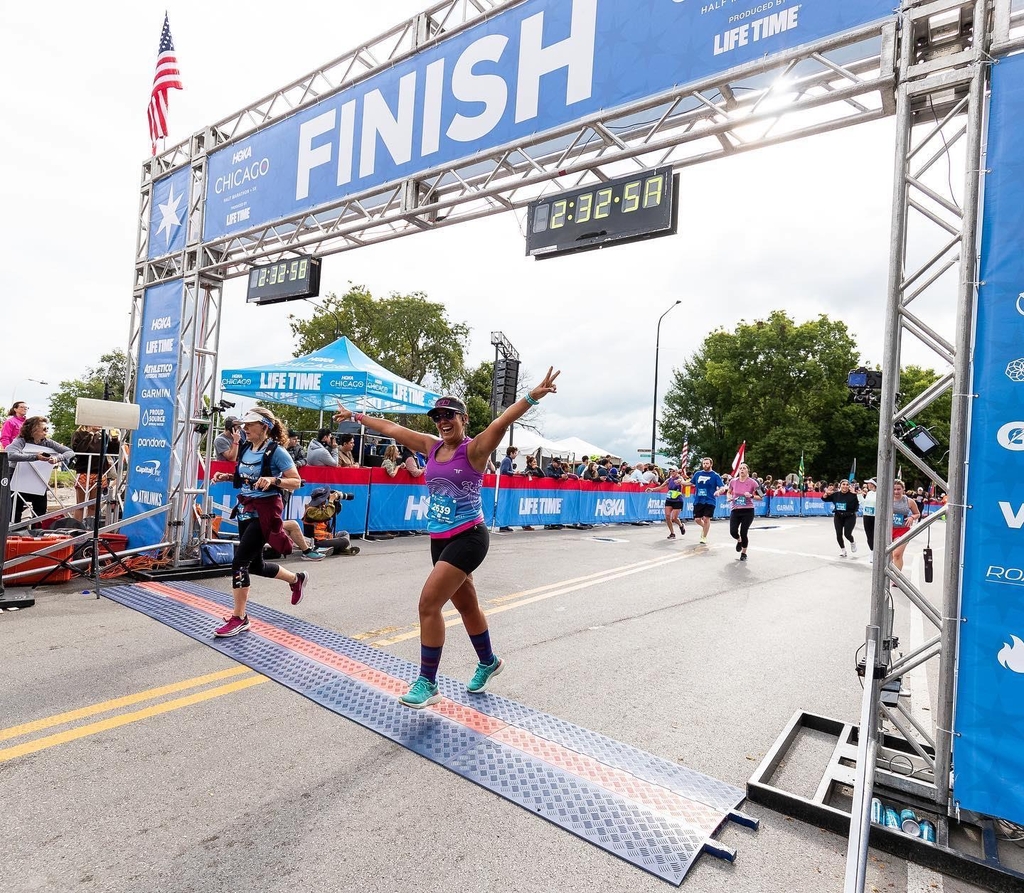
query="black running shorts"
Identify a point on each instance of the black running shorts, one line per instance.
(703, 510)
(673, 503)
(465, 550)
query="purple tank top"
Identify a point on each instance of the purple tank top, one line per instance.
(454, 487)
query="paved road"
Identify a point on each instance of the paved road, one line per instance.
(133, 758)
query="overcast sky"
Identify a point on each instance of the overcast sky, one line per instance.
(803, 227)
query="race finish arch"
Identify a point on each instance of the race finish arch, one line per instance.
(476, 109)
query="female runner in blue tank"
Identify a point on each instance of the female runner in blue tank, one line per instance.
(455, 522)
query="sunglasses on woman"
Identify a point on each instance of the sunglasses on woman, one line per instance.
(446, 414)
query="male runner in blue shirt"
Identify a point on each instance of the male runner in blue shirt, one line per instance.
(705, 482)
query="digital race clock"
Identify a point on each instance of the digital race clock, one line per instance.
(640, 206)
(287, 280)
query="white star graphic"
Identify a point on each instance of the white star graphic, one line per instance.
(169, 218)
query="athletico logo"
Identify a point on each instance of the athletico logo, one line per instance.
(1011, 436)
(1012, 656)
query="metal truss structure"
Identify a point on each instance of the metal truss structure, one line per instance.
(926, 65)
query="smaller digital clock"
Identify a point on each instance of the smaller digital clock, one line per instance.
(287, 280)
(640, 206)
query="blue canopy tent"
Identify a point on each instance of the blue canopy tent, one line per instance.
(340, 371)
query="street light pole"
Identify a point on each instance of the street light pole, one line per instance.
(657, 347)
(14, 393)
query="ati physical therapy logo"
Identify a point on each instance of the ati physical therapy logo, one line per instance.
(1012, 656)
(1011, 436)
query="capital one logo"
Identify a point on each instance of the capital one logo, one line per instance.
(1011, 436)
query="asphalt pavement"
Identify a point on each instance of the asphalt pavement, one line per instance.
(133, 758)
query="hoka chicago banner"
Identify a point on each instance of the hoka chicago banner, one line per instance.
(526, 70)
(988, 755)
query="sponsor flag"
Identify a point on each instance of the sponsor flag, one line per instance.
(853, 470)
(684, 456)
(165, 78)
(739, 458)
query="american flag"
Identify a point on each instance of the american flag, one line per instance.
(167, 77)
(684, 456)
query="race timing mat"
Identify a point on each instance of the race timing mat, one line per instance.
(655, 814)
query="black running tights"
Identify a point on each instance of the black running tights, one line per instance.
(845, 523)
(739, 523)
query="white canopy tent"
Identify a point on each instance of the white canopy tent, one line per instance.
(580, 448)
(532, 444)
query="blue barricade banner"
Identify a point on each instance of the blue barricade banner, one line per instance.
(989, 713)
(149, 467)
(529, 501)
(351, 515)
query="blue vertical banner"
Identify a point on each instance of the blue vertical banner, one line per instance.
(988, 754)
(149, 463)
(168, 214)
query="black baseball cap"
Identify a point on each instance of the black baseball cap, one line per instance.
(319, 496)
(448, 403)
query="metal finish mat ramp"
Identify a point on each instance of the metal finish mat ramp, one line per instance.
(651, 812)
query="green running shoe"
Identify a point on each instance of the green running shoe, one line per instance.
(484, 673)
(422, 694)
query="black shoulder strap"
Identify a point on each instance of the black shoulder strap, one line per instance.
(266, 470)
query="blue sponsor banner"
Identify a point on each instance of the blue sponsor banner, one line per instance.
(606, 506)
(989, 714)
(149, 466)
(400, 506)
(524, 71)
(168, 216)
(351, 516)
(527, 501)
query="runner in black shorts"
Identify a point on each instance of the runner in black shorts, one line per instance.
(466, 550)
(705, 483)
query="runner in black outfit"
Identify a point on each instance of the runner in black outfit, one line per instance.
(845, 516)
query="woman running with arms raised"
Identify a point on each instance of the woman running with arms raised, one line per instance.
(458, 533)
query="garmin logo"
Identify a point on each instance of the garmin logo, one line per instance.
(158, 370)
(147, 497)
(610, 508)
(157, 443)
(155, 394)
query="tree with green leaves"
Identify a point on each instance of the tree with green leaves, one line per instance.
(779, 386)
(915, 380)
(407, 334)
(109, 373)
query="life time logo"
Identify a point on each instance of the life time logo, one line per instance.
(1011, 436)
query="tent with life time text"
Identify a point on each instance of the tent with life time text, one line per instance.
(338, 372)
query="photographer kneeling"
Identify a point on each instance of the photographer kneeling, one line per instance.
(320, 520)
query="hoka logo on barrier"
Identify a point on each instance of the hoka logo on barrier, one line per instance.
(610, 508)
(416, 507)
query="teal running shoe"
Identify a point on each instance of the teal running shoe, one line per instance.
(484, 673)
(422, 694)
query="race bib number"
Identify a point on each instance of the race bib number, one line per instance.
(899, 520)
(441, 508)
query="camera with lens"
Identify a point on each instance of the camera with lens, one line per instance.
(864, 385)
(343, 497)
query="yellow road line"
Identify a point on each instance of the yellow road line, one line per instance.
(117, 703)
(113, 722)
(546, 592)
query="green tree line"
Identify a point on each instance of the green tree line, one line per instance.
(782, 387)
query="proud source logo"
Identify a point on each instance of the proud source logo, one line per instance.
(1012, 656)
(1011, 436)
